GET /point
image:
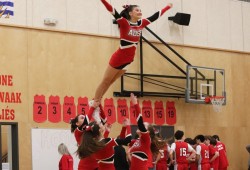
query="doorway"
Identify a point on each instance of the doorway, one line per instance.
(9, 146)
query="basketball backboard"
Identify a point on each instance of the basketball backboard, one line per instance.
(203, 82)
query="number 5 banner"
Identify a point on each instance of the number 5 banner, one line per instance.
(170, 113)
(39, 109)
(82, 106)
(109, 110)
(69, 109)
(159, 113)
(122, 110)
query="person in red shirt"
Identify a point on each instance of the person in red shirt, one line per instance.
(101, 148)
(142, 149)
(214, 159)
(223, 162)
(66, 161)
(192, 161)
(202, 153)
(77, 127)
(131, 25)
(120, 157)
(162, 158)
(181, 149)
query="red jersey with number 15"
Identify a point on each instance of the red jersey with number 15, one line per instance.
(181, 149)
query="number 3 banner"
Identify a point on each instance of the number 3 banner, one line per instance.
(171, 113)
(54, 109)
(109, 110)
(39, 109)
(122, 110)
(159, 113)
(69, 109)
(147, 111)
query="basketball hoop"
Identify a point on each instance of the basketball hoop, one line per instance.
(216, 101)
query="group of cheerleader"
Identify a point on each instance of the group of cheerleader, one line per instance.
(149, 151)
(96, 149)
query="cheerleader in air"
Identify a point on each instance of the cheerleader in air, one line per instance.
(130, 24)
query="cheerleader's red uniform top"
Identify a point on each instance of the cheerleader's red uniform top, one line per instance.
(105, 156)
(66, 162)
(129, 35)
(90, 162)
(140, 150)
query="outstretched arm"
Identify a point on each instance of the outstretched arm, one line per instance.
(158, 14)
(111, 9)
(107, 130)
(144, 138)
(124, 141)
(102, 115)
(139, 118)
(108, 6)
(88, 116)
(125, 127)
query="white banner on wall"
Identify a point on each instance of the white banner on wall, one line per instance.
(45, 147)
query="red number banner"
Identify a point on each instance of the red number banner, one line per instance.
(122, 110)
(39, 109)
(159, 113)
(132, 114)
(69, 109)
(54, 109)
(82, 106)
(147, 111)
(109, 110)
(170, 113)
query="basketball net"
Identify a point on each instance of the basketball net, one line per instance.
(217, 103)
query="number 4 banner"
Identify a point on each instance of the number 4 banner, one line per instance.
(109, 110)
(147, 111)
(54, 109)
(39, 109)
(69, 109)
(159, 113)
(122, 110)
(171, 113)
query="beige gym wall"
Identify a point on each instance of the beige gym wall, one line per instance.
(71, 64)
